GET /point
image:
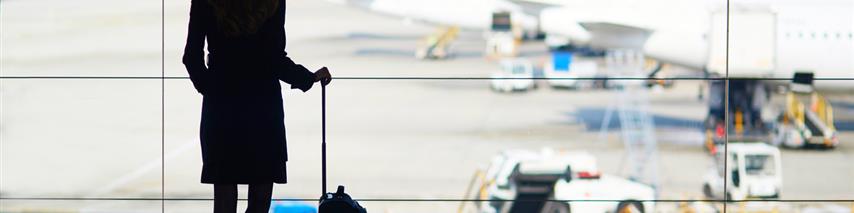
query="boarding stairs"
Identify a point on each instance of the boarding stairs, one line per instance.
(636, 124)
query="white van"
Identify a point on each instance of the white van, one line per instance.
(752, 170)
(513, 75)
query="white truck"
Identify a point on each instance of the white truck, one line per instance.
(563, 71)
(752, 170)
(549, 181)
(514, 75)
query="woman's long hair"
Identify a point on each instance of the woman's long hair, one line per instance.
(242, 17)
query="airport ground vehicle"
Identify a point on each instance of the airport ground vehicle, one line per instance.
(806, 119)
(564, 72)
(558, 175)
(752, 170)
(658, 78)
(502, 40)
(514, 75)
(438, 46)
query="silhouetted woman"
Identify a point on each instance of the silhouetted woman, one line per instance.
(242, 127)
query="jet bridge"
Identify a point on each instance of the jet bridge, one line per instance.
(742, 48)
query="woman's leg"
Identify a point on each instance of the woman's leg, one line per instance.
(225, 198)
(259, 197)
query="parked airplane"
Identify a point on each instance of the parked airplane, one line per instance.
(792, 36)
(798, 35)
(745, 40)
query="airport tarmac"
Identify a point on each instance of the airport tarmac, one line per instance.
(395, 139)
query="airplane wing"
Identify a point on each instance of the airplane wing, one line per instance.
(467, 14)
(658, 34)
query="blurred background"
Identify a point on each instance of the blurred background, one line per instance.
(437, 106)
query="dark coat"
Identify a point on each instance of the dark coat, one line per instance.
(242, 125)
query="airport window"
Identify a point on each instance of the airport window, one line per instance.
(526, 113)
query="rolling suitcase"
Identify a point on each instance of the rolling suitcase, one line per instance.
(338, 202)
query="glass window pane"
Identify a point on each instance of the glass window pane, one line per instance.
(428, 138)
(184, 158)
(81, 38)
(80, 138)
(381, 118)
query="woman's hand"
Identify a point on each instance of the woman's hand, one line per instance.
(323, 76)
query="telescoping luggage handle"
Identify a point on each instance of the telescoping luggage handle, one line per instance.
(323, 133)
(339, 198)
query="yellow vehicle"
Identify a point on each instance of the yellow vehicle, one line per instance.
(438, 46)
(807, 120)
